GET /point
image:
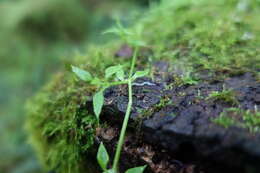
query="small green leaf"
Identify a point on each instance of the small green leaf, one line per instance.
(98, 101)
(127, 32)
(120, 74)
(140, 74)
(136, 170)
(112, 70)
(113, 30)
(96, 81)
(119, 30)
(82, 74)
(102, 157)
(137, 43)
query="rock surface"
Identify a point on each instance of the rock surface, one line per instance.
(178, 120)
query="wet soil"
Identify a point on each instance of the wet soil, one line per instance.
(171, 128)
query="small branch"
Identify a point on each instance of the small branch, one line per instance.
(127, 115)
(123, 130)
(133, 62)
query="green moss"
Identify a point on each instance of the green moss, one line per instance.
(163, 102)
(155, 108)
(249, 120)
(206, 39)
(210, 35)
(61, 129)
(226, 96)
(224, 121)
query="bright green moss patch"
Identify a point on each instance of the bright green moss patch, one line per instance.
(225, 96)
(249, 120)
(62, 128)
(191, 35)
(225, 121)
(213, 35)
(165, 101)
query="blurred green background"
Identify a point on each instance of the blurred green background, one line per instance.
(36, 38)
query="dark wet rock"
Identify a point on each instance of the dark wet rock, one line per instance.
(161, 73)
(183, 126)
(146, 94)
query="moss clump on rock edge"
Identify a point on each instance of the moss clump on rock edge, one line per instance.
(196, 35)
(237, 117)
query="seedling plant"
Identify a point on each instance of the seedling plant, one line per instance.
(115, 75)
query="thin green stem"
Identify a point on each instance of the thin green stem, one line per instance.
(127, 114)
(133, 62)
(123, 130)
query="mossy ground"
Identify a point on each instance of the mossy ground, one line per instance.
(218, 36)
(249, 120)
(226, 96)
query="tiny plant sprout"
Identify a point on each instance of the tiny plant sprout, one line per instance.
(139, 74)
(115, 75)
(82, 74)
(98, 101)
(120, 74)
(112, 70)
(102, 157)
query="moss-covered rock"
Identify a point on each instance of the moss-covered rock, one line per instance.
(220, 37)
(238, 117)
